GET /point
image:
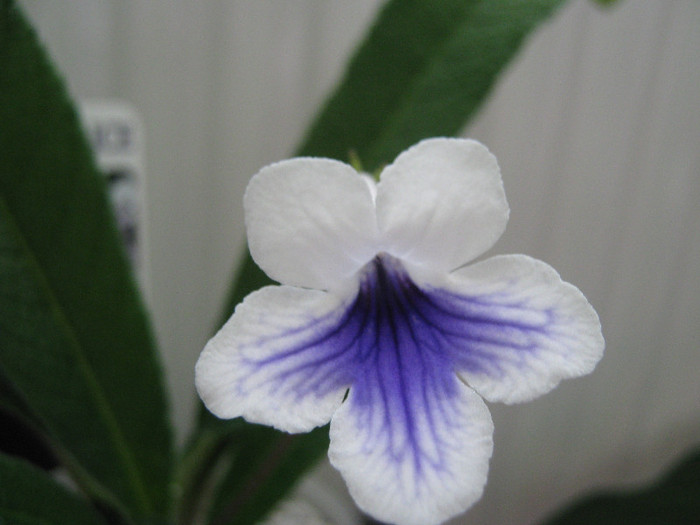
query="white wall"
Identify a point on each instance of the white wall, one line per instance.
(596, 128)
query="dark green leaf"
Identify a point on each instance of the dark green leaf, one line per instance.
(266, 464)
(673, 500)
(424, 70)
(75, 344)
(29, 496)
(195, 480)
(19, 439)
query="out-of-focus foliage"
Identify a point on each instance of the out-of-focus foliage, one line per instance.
(78, 361)
(672, 500)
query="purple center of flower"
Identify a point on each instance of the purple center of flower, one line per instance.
(398, 347)
(404, 379)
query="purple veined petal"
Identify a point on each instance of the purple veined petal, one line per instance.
(438, 470)
(514, 327)
(412, 441)
(284, 359)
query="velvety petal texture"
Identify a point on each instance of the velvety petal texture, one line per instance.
(441, 203)
(421, 467)
(411, 440)
(380, 329)
(275, 362)
(310, 222)
(519, 328)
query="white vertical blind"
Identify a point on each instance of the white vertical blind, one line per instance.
(596, 127)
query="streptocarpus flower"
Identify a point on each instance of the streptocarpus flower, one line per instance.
(379, 328)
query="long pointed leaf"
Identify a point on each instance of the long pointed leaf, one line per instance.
(29, 496)
(74, 339)
(423, 71)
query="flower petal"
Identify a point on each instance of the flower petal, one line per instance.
(441, 203)
(516, 328)
(412, 441)
(280, 360)
(419, 458)
(310, 221)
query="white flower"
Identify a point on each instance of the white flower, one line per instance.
(379, 328)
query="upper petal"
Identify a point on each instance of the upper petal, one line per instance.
(516, 329)
(441, 203)
(281, 360)
(310, 221)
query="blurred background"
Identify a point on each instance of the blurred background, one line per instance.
(596, 126)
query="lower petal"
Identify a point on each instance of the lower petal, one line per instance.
(283, 359)
(422, 468)
(516, 329)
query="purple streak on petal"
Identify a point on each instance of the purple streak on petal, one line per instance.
(316, 357)
(483, 333)
(398, 346)
(404, 383)
(412, 344)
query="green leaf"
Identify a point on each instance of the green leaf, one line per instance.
(423, 71)
(194, 480)
(29, 496)
(18, 438)
(75, 343)
(266, 465)
(674, 499)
